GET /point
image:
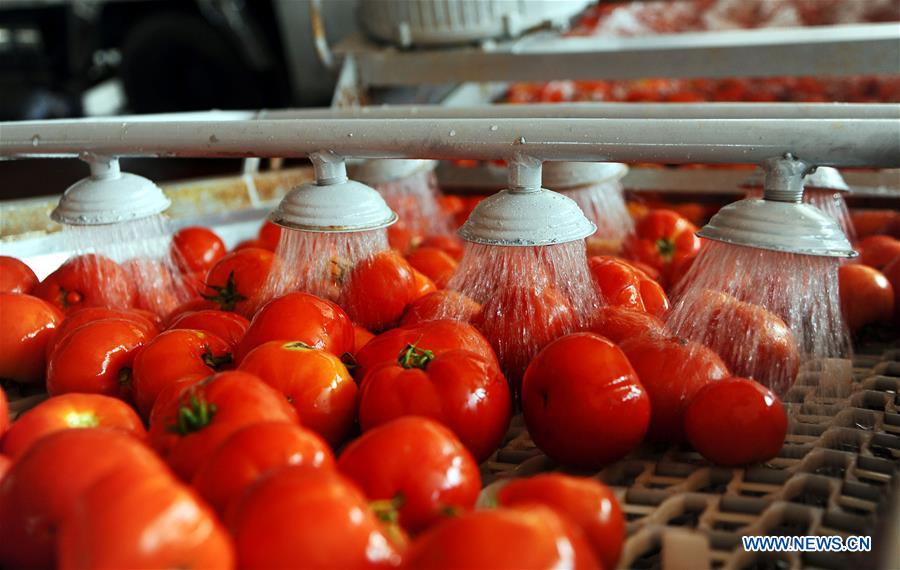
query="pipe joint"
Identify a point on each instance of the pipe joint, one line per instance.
(329, 167)
(784, 178)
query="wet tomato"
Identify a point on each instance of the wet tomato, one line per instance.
(401, 238)
(88, 281)
(196, 249)
(415, 465)
(4, 414)
(236, 281)
(434, 263)
(251, 452)
(301, 517)
(671, 370)
(361, 337)
(189, 428)
(583, 403)
(619, 323)
(16, 276)
(159, 286)
(587, 503)
(736, 421)
(251, 243)
(872, 222)
(423, 285)
(527, 536)
(866, 296)
(878, 251)
(86, 315)
(300, 317)
(5, 465)
(449, 244)
(458, 388)
(438, 304)
(269, 235)
(27, 326)
(314, 381)
(228, 326)
(663, 239)
(892, 273)
(70, 411)
(378, 289)
(623, 285)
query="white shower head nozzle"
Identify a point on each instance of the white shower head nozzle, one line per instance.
(109, 196)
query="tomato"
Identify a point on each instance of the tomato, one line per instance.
(301, 517)
(449, 244)
(314, 381)
(269, 235)
(27, 325)
(235, 282)
(16, 276)
(458, 388)
(619, 323)
(434, 263)
(190, 427)
(440, 304)
(251, 452)
(866, 296)
(159, 286)
(892, 273)
(5, 465)
(415, 465)
(196, 248)
(623, 285)
(173, 355)
(423, 285)
(70, 411)
(401, 238)
(228, 326)
(877, 251)
(43, 484)
(254, 243)
(131, 519)
(378, 289)
(583, 403)
(527, 536)
(303, 318)
(872, 222)
(86, 315)
(4, 414)
(89, 280)
(361, 337)
(587, 503)
(663, 239)
(736, 421)
(439, 336)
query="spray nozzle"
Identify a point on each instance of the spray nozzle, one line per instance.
(784, 178)
(524, 174)
(329, 168)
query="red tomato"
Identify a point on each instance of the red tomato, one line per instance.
(27, 325)
(623, 285)
(866, 296)
(269, 235)
(173, 355)
(892, 273)
(583, 403)
(878, 251)
(303, 318)
(434, 263)
(528, 536)
(252, 243)
(378, 290)
(423, 285)
(449, 244)
(5, 465)
(159, 287)
(439, 336)
(86, 315)
(70, 411)
(458, 388)
(663, 239)
(235, 282)
(415, 465)
(4, 414)
(15, 276)
(300, 517)
(253, 451)
(42, 485)
(872, 222)
(436, 305)
(619, 324)
(196, 249)
(401, 238)
(89, 280)
(228, 326)
(587, 503)
(736, 421)
(314, 381)
(190, 428)
(361, 337)
(132, 519)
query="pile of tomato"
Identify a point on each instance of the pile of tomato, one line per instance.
(312, 433)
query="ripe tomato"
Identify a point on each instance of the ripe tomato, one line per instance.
(892, 273)
(159, 287)
(415, 465)
(623, 285)
(86, 315)
(378, 290)
(587, 503)
(401, 238)
(671, 370)
(252, 243)
(583, 403)
(619, 324)
(434, 263)
(872, 222)
(449, 244)
(361, 337)
(458, 388)
(300, 317)
(5, 465)
(190, 427)
(438, 304)
(4, 414)
(314, 381)
(527, 536)
(439, 336)
(42, 485)
(89, 280)
(228, 326)
(70, 411)
(132, 519)
(251, 452)
(27, 325)
(663, 239)
(866, 296)
(301, 517)
(424, 285)
(15, 276)
(196, 248)
(736, 421)
(878, 251)
(235, 282)
(269, 235)
(173, 355)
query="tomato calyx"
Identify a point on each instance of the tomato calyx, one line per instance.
(193, 416)
(296, 345)
(666, 248)
(414, 357)
(349, 362)
(227, 296)
(124, 377)
(388, 510)
(216, 362)
(81, 420)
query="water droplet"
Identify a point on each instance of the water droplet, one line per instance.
(452, 133)
(35, 140)
(494, 128)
